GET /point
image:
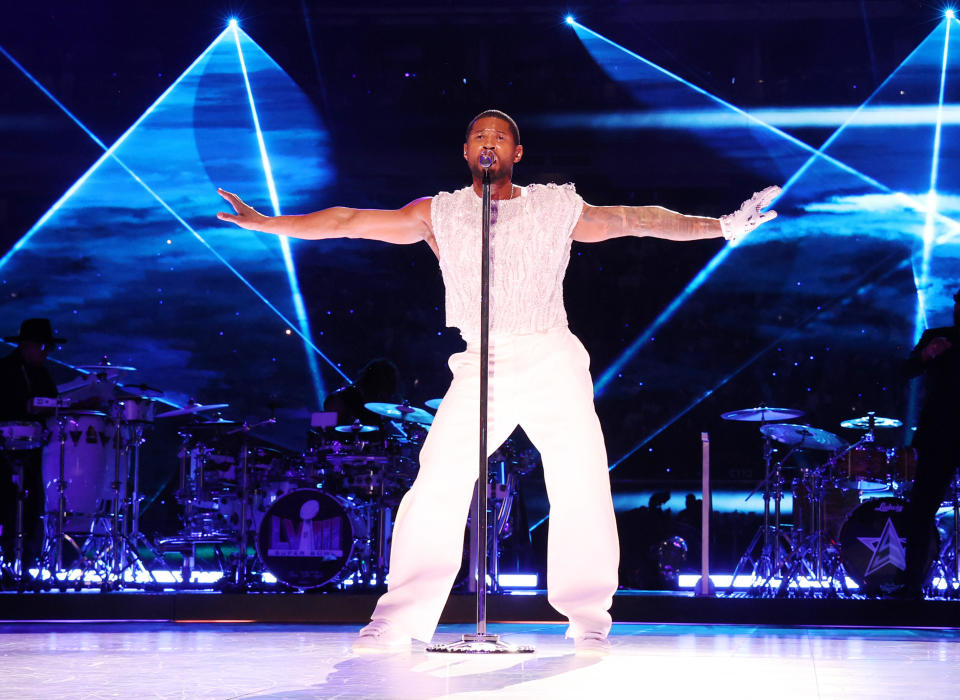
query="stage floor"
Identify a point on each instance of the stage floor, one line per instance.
(231, 660)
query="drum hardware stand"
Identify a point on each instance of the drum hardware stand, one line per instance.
(481, 642)
(768, 563)
(53, 552)
(241, 568)
(15, 567)
(952, 577)
(381, 554)
(125, 543)
(808, 545)
(137, 538)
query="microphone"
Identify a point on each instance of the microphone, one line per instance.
(486, 159)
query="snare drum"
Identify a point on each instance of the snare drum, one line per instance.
(307, 538)
(22, 435)
(89, 463)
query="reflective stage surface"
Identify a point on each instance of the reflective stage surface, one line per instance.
(169, 660)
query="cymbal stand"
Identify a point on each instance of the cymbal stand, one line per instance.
(117, 545)
(806, 557)
(17, 564)
(767, 565)
(241, 569)
(132, 538)
(53, 555)
(238, 576)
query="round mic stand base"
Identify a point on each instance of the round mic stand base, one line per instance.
(480, 644)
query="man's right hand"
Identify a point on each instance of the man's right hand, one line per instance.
(934, 348)
(246, 216)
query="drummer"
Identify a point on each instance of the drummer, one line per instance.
(23, 377)
(376, 383)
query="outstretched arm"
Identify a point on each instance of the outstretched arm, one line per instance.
(603, 223)
(409, 224)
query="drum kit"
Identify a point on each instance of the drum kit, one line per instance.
(848, 519)
(89, 462)
(320, 517)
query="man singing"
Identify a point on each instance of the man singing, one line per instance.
(539, 376)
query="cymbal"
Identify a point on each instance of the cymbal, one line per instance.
(803, 436)
(762, 414)
(432, 403)
(870, 421)
(105, 368)
(85, 381)
(191, 409)
(403, 412)
(355, 428)
(142, 391)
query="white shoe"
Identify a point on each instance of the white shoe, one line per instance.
(379, 637)
(591, 644)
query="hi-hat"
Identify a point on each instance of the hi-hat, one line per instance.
(762, 414)
(404, 412)
(355, 428)
(207, 424)
(191, 409)
(871, 421)
(803, 436)
(433, 404)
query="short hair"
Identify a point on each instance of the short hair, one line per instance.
(514, 129)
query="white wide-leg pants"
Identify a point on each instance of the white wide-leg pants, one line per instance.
(542, 382)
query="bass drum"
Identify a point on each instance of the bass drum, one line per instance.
(873, 545)
(308, 537)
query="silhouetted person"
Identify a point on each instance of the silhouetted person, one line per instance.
(937, 440)
(23, 377)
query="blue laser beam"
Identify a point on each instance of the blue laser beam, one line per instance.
(815, 152)
(299, 307)
(701, 277)
(111, 154)
(108, 152)
(923, 282)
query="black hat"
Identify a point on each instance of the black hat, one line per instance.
(38, 330)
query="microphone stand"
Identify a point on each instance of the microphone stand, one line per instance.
(481, 642)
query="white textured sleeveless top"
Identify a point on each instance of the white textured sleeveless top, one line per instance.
(530, 239)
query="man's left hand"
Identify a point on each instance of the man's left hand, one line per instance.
(750, 214)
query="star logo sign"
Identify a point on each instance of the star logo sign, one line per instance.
(887, 549)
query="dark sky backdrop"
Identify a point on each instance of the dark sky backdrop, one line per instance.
(395, 87)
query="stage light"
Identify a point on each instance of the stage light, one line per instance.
(232, 23)
(569, 19)
(517, 580)
(950, 14)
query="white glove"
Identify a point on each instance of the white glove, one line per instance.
(741, 222)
